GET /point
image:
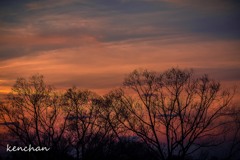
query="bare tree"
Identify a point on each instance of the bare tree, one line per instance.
(34, 109)
(174, 113)
(233, 132)
(83, 123)
(109, 117)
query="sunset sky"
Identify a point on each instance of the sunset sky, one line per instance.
(94, 44)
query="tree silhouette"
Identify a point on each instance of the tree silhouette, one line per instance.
(85, 127)
(174, 113)
(167, 116)
(33, 109)
(233, 131)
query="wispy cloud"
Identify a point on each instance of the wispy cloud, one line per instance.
(40, 5)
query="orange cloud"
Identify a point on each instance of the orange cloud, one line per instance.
(101, 66)
(38, 40)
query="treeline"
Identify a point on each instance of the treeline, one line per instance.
(163, 116)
